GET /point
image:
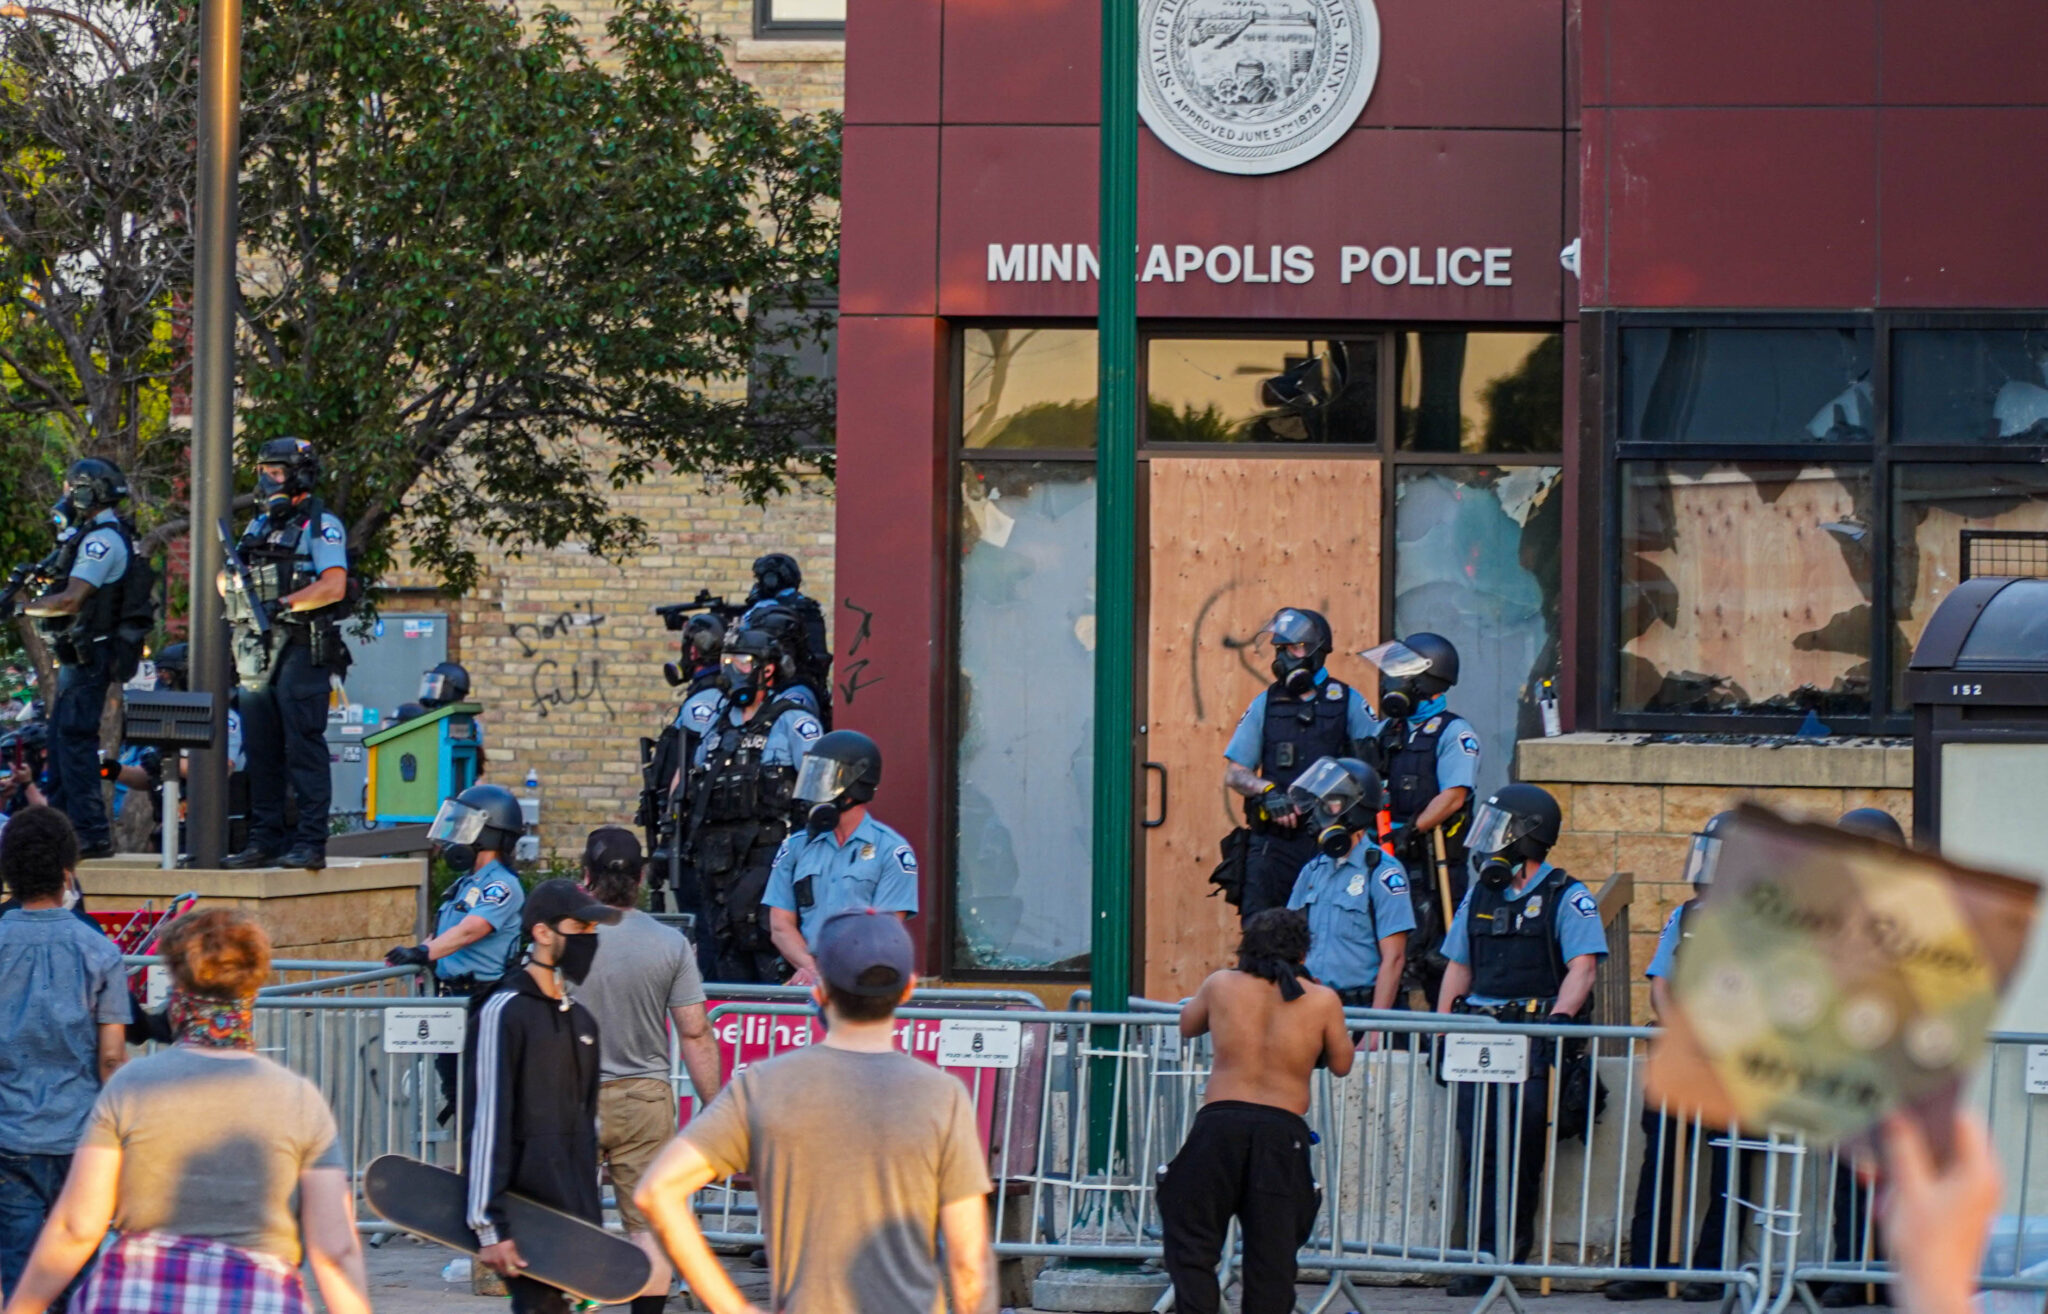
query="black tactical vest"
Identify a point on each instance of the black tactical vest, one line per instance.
(101, 613)
(1513, 943)
(741, 788)
(1410, 757)
(1297, 732)
(273, 557)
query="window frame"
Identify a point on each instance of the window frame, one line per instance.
(768, 27)
(1878, 457)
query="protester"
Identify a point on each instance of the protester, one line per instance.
(860, 1155)
(645, 977)
(1247, 1154)
(536, 1055)
(63, 1014)
(1937, 1218)
(199, 1155)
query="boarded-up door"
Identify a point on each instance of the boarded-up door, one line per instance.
(1233, 540)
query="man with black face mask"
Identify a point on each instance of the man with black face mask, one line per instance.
(1524, 947)
(535, 1075)
(843, 858)
(1304, 715)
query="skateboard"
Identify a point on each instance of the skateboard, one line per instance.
(560, 1249)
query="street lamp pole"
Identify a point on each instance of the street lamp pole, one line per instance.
(214, 293)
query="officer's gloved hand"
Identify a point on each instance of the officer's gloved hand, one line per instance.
(152, 763)
(110, 767)
(278, 609)
(407, 956)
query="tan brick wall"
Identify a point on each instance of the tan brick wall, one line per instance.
(801, 76)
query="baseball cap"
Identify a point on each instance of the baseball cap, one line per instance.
(551, 901)
(858, 939)
(612, 848)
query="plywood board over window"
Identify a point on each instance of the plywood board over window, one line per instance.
(1232, 541)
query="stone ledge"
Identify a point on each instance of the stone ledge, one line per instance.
(138, 876)
(758, 50)
(1740, 760)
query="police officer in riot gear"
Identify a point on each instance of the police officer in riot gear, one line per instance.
(1524, 946)
(1356, 896)
(95, 621)
(665, 763)
(740, 804)
(1304, 715)
(444, 685)
(844, 858)
(297, 555)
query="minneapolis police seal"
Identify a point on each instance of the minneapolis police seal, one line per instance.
(1256, 86)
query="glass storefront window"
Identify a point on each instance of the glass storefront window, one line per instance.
(1969, 386)
(1477, 560)
(1026, 707)
(1741, 385)
(1931, 507)
(1262, 390)
(1480, 392)
(1745, 587)
(1028, 388)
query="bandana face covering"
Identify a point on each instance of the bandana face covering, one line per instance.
(213, 1023)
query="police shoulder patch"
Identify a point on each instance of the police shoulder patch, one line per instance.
(96, 548)
(1470, 744)
(330, 530)
(698, 713)
(906, 859)
(1394, 879)
(807, 726)
(1582, 904)
(494, 894)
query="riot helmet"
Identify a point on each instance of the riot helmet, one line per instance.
(745, 663)
(1412, 671)
(1340, 796)
(1296, 628)
(301, 467)
(480, 817)
(91, 486)
(1705, 853)
(174, 667)
(1873, 823)
(774, 572)
(407, 712)
(1517, 823)
(445, 684)
(703, 641)
(842, 768)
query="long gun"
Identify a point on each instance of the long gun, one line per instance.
(41, 572)
(241, 581)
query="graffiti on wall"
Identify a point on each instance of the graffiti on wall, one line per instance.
(561, 675)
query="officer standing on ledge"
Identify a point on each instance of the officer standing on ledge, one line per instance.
(1303, 716)
(844, 858)
(1524, 947)
(741, 804)
(476, 928)
(96, 627)
(1356, 896)
(297, 554)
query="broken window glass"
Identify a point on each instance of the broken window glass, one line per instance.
(1931, 507)
(1026, 708)
(1745, 587)
(1476, 559)
(1262, 390)
(1746, 385)
(1480, 392)
(1028, 387)
(1969, 385)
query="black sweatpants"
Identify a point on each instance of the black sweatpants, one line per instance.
(531, 1297)
(1251, 1161)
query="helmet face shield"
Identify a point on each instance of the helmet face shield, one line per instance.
(822, 779)
(456, 823)
(433, 688)
(1289, 627)
(1701, 859)
(1494, 829)
(1396, 660)
(1326, 790)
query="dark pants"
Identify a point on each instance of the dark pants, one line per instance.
(449, 1066)
(1271, 869)
(1250, 1161)
(29, 1184)
(530, 1297)
(1527, 1120)
(75, 751)
(284, 732)
(1664, 1203)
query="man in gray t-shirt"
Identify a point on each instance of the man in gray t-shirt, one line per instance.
(860, 1155)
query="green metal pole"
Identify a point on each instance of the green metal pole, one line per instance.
(1116, 488)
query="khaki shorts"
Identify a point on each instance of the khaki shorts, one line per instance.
(635, 1118)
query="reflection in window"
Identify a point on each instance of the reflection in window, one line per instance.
(1746, 385)
(1476, 559)
(1027, 643)
(1745, 587)
(1028, 387)
(1262, 390)
(1931, 507)
(1969, 385)
(1480, 392)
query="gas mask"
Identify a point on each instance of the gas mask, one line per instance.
(738, 670)
(1291, 628)
(1297, 675)
(460, 857)
(827, 784)
(1496, 871)
(1403, 686)
(1334, 841)
(274, 494)
(1339, 795)
(574, 958)
(1397, 699)
(1499, 844)
(823, 817)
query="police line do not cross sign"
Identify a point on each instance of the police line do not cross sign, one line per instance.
(966, 1044)
(1478, 1057)
(434, 1029)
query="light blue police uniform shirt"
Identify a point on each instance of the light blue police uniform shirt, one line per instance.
(320, 550)
(792, 734)
(1353, 903)
(1457, 750)
(1248, 741)
(1666, 956)
(1577, 924)
(493, 893)
(873, 869)
(699, 711)
(102, 556)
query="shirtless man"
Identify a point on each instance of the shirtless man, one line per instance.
(1247, 1153)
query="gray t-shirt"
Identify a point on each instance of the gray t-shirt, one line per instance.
(852, 1156)
(642, 970)
(212, 1147)
(59, 981)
